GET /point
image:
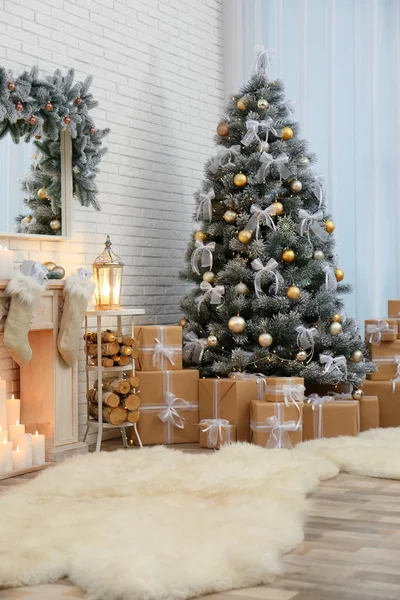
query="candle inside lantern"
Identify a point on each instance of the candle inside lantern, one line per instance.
(18, 459)
(5, 456)
(3, 404)
(25, 445)
(38, 454)
(16, 432)
(3, 434)
(6, 263)
(13, 410)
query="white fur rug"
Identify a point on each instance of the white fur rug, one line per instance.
(162, 524)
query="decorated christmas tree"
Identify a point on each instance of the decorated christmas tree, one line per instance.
(268, 291)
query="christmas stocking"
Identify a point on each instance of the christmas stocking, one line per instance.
(77, 293)
(24, 290)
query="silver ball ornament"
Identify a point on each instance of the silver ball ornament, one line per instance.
(301, 356)
(241, 288)
(212, 340)
(357, 356)
(263, 104)
(303, 160)
(237, 324)
(296, 186)
(318, 255)
(265, 340)
(335, 328)
(57, 273)
(357, 394)
(55, 224)
(263, 147)
(208, 276)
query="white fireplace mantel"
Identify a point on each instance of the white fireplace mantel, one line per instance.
(49, 388)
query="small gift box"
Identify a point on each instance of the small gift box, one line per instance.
(381, 330)
(387, 368)
(285, 389)
(389, 400)
(275, 425)
(215, 433)
(169, 408)
(330, 416)
(369, 413)
(386, 350)
(394, 313)
(160, 348)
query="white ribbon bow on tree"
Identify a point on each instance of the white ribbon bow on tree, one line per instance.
(224, 158)
(306, 338)
(375, 331)
(170, 413)
(332, 364)
(253, 126)
(193, 347)
(311, 222)
(317, 187)
(268, 269)
(214, 428)
(330, 278)
(214, 293)
(205, 205)
(268, 161)
(204, 253)
(161, 350)
(279, 437)
(263, 60)
(259, 216)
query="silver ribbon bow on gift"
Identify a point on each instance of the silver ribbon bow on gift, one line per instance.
(330, 278)
(224, 158)
(309, 222)
(161, 350)
(268, 269)
(259, 377)
(193, 347)
(261, 216)
(306, 338)
(214, 293)
(332, 364)
(268, 161)
(253, 126)
(375, 331)
(205, 206)
(317, 187)
(204, 253)
(292, 394)
(396, 378)
(170, 413)
(214, 428)
(279, 437)
(263, 60)
(316, 402)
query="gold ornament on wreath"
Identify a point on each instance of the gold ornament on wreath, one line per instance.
(318, 255)
(183, 322)
(245, 236)
(329, 226)
(301, 356)
(293, 292)
(356, 356)
(335, 328)
(223, 129)
(278, 206)
(230, 216)
(265, 340)
(208, 276)
(262, 104)
(336, 318)
(287, 133)
(212, 341)
(339, 274)
(237, 324)
(54, 271)
(42, 194)
(357, 394)
(240, 179)
(241, 288)
(55, 225)
(288, 255)
(200, 236)
(296, 186)
(241, 104)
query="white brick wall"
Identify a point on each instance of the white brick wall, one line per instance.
(158, 75)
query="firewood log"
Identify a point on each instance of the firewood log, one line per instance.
(119, 386)
(134, 381)
(133, 416)
(108, 336)
(90, 337)
(121, 361)
(127, 350)
(114, 416)
(106, 349)
(131, 402)
(91, 395)
(128, 340)
(108, 398)
(105, 362)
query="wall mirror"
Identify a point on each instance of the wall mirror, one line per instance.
(50, 152)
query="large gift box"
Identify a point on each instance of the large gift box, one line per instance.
(387, 369)
(394, 312)
(384, 350)
(380, 330)
(275, 425)
(229, 399)
(284, 389)
(388, 393)
(327, 416)
(215, 433)
(169, 407)
(160, 347)
(369, 413)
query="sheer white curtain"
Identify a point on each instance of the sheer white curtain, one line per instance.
(340, 60)
(14, 164)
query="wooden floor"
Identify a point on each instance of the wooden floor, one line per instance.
(351, 549)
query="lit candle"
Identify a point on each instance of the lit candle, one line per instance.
(6, 263)
(18, 460)
(38, 456)
(13, 410)
(3, 404)
(16, 432)
(5, 456)
(3, 433)
(25, 445)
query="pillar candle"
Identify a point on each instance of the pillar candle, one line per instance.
(18, 459)
(25, 445)
(5, 457)
(38, 456)
(6, 263)
(16, 432)
(3, 434)
(3, 404)
(13, 410)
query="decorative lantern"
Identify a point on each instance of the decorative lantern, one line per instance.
(107, 269)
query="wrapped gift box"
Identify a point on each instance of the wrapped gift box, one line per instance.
(381, 330)
(387, 369)
(215, 433)
(275, 425)
(369, 413)
(329, 417)
(281, 389)
(230, 399)
(394, 312)
(159, 347)
(389, 401)
(169, 407)
(384, 350)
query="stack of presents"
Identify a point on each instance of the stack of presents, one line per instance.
(176, 406)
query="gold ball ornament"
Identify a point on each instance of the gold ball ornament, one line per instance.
(287, 133)
(55, 225)
(241, 104)
(296, 186)
(237, 324)
(212, 341)
(42, 194)
(183, 322)
(288, 255)
(240, 179)
(293, 292)
(223, 129)
(200, 236)
(301, 356)
(49, 265)
(262, 104)
(27, 219)
(265, 340)
(336, 318)
(230, 216)
(357, 394)
(329, 226)
(357, 356)
(335, 328)
(339, 274)
(244, 236)
(241, 288)
(58, 271)
(278, 208)
(318, 255)
(209, 276)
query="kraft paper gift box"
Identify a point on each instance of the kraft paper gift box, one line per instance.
(230, 399)
(329, 417)
(380, 330)
(394, 312)
(160, 348)
(388, 393)
(169, 407)
(275, 425)
(283, 389)
(384, 350)
(215, 433)
(369, 413)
